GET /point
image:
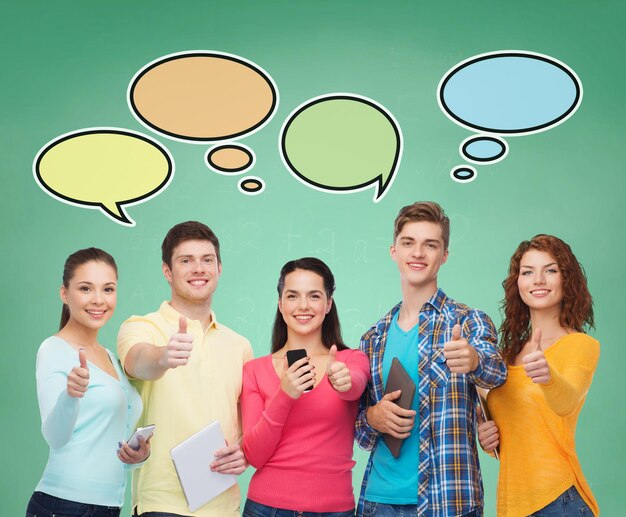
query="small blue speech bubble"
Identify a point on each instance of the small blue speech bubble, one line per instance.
(483, 149)
(510, 92)
(463, 174)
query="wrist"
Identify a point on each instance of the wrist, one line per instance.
(370, 416)
(289, 393)
(475, 360)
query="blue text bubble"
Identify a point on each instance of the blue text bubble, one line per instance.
(510, 92)
(483, 149)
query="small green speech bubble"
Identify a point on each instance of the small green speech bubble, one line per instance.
(104, 168)
(341, 143)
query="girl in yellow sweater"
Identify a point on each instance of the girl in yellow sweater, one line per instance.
(550, 364)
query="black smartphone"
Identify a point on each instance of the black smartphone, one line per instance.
(296, 355)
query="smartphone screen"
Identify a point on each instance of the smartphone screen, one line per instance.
(296, 355)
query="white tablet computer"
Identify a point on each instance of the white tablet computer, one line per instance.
(192, 459)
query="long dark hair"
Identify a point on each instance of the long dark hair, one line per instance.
(576, 308)
(331, 328)
(74, 261)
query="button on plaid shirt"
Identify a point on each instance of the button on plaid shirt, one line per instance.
(449, 481)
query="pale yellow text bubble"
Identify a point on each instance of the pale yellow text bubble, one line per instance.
(104, 168)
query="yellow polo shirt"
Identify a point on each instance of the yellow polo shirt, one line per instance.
(182, 402)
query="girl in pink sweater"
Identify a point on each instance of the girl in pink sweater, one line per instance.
(301, 441)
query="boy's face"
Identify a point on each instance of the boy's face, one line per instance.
(195, 271)
(419, 253)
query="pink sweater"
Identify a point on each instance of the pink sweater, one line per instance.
(301, 448)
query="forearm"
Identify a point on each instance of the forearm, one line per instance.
(145, 361)
(491, 371)
(58, 421)
(263, 428)
(562, 394)
(365, 435)
(481, 334)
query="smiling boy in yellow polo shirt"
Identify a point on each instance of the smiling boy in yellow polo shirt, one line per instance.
(187, 367)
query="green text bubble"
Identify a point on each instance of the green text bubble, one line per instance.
(342, 143)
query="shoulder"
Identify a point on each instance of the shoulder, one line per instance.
(232, 337)
(454, 310)
(55, 354)
(259, 362)
(152, 319)
(143, 328)
(350, 354)
(55, 347)
(230, 333)
(577, 347)
(258, 366)
(382, 324)
(49, 344)
(355, 359)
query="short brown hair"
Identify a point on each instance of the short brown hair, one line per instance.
(187, 231)
(428, 211)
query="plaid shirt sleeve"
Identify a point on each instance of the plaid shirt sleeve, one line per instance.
(365, 435)
(482, 335)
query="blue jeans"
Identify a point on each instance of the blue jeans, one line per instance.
(569, 503)
(372, 509)
(44, 505)
(254, 509)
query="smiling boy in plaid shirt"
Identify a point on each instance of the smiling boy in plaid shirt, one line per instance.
(447, 348)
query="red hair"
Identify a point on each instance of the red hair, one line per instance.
(576, 308)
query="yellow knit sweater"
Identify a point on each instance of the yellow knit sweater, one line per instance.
(537, 424)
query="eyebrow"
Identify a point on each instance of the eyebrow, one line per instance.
(533, 267)
(296, 292)
(426, 241)
(85, 282)
(192, 256)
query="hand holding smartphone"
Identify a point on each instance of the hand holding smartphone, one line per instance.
(144, 432)
(296, 355)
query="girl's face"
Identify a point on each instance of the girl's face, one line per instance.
(91, 294)
(303, 302)
(540, 282)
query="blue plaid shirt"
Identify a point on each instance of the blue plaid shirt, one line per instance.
(449, 482)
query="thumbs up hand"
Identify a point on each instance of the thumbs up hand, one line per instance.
(535, 363)
(337, 372)
(461, 357)
(78, 378)
(178, 350)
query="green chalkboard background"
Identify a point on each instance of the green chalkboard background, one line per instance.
(67, 65)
